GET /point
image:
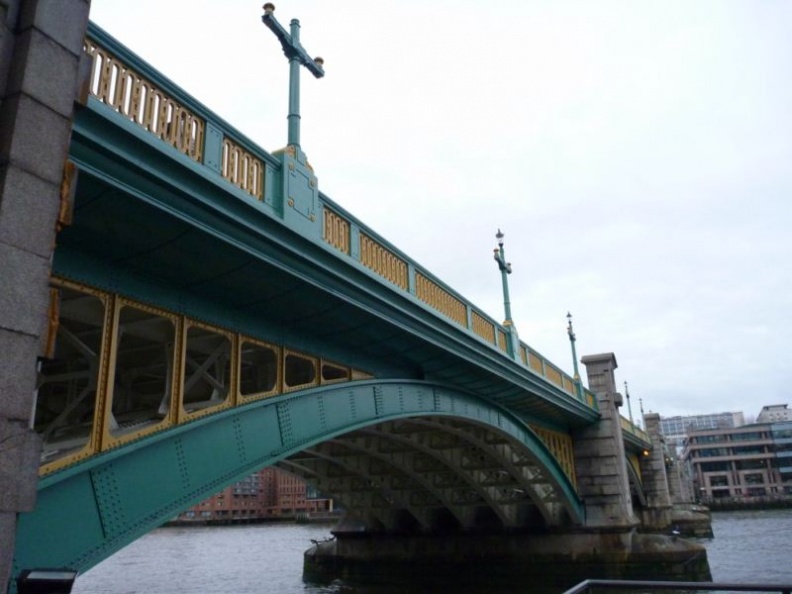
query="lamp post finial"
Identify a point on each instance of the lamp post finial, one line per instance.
(629, 407)
(572, 339)
(506, 269)
(294, 51)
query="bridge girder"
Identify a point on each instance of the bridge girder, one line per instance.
(415, 428)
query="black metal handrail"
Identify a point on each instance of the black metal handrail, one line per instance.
(589, 586)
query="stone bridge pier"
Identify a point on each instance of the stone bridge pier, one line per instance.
(654, 478)
(669, 506)
(600, 459)
(601, 466)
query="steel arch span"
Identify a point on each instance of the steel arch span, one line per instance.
(404, 453)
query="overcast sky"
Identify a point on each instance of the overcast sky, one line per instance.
(637, 155)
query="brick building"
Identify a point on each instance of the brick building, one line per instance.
(267, 494)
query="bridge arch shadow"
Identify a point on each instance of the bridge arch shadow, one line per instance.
(405, 455)
(636, 484)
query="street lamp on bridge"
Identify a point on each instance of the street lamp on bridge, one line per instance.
(299, 192)
(571, 333)
(643, 424)
(506, 269)
(294, 51)
(629, 408)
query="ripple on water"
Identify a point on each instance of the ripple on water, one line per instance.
(751, 546)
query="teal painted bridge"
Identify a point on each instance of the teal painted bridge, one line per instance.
(212, 313)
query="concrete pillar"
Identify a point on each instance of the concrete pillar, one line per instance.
(600, 461)
(657, 513)
(40, 48)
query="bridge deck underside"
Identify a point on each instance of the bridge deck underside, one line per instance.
(432, 474)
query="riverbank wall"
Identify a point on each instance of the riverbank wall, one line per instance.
(747, 503)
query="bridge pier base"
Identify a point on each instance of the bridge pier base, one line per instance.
(609, 543)
(506, 560)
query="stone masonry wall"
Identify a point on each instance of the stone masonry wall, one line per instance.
(40, 49)
(654, 480)
(600, 461)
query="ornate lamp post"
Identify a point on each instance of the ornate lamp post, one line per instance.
(571, 333)
(298, 195)
(297, 56)
(629, 408)
(506, 269)
(640, 401)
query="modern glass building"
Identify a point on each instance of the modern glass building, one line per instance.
(782, 447)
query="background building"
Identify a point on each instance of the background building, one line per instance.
(782, 445)
(774, 413)
(265, 495)
(752, 462)
(675, 429)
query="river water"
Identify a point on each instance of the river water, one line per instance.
(753, 547)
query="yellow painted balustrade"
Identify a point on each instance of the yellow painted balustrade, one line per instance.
(569, 385)
(336, 231)
(123, 89)
(503, 343)
(553, 374)
(242, 169)
(524, 354)
(483, 328)
(438, 298)
(536, 362)
(384, 262)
